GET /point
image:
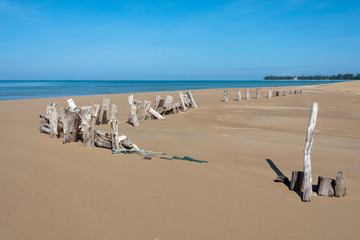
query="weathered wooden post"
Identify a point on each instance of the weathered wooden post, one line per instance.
(96, 114)
(182, 101)
(340, 188)
(53, 120)
(71, 124)
(300, 91)
(132, 115)
(257, 93)
(226, 94)
(104, 111)
(144, 110)
(325, 186)
(157, 101)
(155, 113)
(307, 153)
(192, 99)
(114, 112)
(274, 93)
(284, 93)
(87, 126)
(238, 98)
(297, 180)
(269, 93)
(71, 104)
(290, 92)
(50, 104)
(115, 143)
(247, 95)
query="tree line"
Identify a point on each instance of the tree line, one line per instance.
(346, 76)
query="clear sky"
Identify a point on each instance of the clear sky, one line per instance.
(182, 39)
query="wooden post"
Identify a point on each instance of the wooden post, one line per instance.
(144, 110)
(104, 111)
(307, 153)
(157, 101)
(269, 93)
(238, 98)
(325, 187)
(274, 93)
(71, 125)
(114, 112)
(296, 183)
(300, 91)
(257, 93)
(277, 93)
(132, 115)
(192, 99)
(284, 93)
(96, 114)
(100, 142)
(53, 119)
(247, 94)
(71, 103)
(226, 94)
(295, 91)
(340, 188)
(182, 101)
(155, 113)
(290, 92)
(114, 134)
(50, 104)
(87, 126)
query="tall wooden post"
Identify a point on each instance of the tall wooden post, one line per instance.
(53, 120)
(182, 101)
(144, 110)
(71, 104)
(257, 93)
(104, 111)
(269, 93)
(132, 114)
(157, 101)
(87, 126)
(114, 134)
(340, 189)
(284, 93)
(96, 114)
(226, 94)
(247, 95)
(307, 153)
(71, 124)
(238, 96)
(114, 112)
(192, 99)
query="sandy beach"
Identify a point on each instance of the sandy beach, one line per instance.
(51, 190)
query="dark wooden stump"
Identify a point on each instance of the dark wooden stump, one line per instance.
(297, 180)
(325, 186)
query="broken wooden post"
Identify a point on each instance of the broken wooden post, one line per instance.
(295, 91)
(53, 120)
(182, 101)
(71, 125)
(144, 110)
(71, 104)
(284, 93)
(44, 129)
(277, 93)
(157, 101)
(247, 94)
(325, 187)
(50, 104)
(155, 113)
(87, 126)
(238, 98)
(114, 112)
(300, 91)
(307, 153)
(296, 183)
(114, 134)
(192, 99)
(103, 143)
(104, 111)
(96, 114)
(226, 94)
(340, 188)
(269, 93)
(132, 114)
(290, 92)
(257, 93)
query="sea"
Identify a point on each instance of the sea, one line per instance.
(26, 89)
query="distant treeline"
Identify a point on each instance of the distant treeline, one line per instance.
(346, 76)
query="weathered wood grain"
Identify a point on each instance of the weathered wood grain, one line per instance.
(296, 183)
(325, 186)
(104, 111)
(247, 94)
(87, 126)
(340, 188)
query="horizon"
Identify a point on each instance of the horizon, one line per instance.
(177, 40)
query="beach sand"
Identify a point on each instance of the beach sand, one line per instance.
(51, 190)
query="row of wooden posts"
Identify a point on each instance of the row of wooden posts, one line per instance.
(302, 180)
(270, 93)
(78, 123)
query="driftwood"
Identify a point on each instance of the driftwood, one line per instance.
(114, 112)
(226, 96)
(325, 186)
(71, 124)
(103, 133)
(137, 105)
(53, 120)
(50, 104)
(284, 93)
(104, 111)
(192, 99)
(340, 188)
(44, 116)
(181, 97)
(290, 92)
(115, 134)
(247, 94)
(277, 94)
(71, 104)
(300, 91)
(257, 93)
(144, 110)
(157, 101)
(87, 126)
(282, 178)
(103, 143)
(269, 93)
(132, 114)
(296, 183)
(238, 96)
(167, 102)
(44, 129)
(295, 91)
(155, 113)
(96, 114)
(307, 153)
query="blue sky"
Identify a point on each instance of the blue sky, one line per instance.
(183, 39)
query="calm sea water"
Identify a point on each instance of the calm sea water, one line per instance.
(25, 89)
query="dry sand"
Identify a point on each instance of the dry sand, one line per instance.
(54, 191)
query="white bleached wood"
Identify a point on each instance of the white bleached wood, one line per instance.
(44, 130)
(132, 114)
(104, 111)
(71, 104)
(238, 98)
(257, 93)
(192, 99)
(226, 96)
(307, 153)
(87, 126)
(247, 94)
(340, 188)
(157, 101)
(167, 103)
(182, 101)
(269, 93)
(50, 104)
(284, 93)
(114, 112)
(96, 114)
(115, 134)
(155, 113)
(53, 119)
(144, 110)
(71, 124)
